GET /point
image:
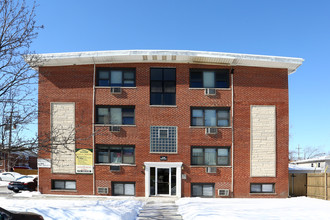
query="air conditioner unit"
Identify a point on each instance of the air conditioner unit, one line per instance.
(116, 90)
(210, 92)
(115, 168)
(211, 130)
(102, 190)
(211, 169)
(114, 128)
(223, 192)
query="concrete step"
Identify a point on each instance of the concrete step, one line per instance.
(159, 210)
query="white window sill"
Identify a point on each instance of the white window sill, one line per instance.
(63, 190)
(218, 166)
(163, 152)
(263, 194)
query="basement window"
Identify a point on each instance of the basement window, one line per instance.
(262, 188)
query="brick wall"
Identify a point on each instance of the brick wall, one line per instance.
(252, 86)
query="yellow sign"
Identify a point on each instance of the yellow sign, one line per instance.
(84, 161)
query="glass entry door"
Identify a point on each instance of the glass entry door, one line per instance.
(162, 181)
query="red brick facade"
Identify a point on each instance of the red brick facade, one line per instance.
(252, 86)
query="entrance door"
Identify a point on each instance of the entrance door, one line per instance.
(162, 181)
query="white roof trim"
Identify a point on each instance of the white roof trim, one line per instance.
(168, 56)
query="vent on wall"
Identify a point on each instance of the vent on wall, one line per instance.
(210, 92)
(116, 90)
(114, 128)
(211, 169)
(115, 168)
(223, 192)
(102, 190)
(211, 130)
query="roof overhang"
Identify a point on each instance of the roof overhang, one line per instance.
(167, 56)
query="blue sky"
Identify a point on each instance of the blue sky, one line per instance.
(281, 28)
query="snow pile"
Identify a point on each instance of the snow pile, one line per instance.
(291, 208)
(76, 209)
(4, 183)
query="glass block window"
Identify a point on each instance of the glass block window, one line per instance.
(163, 139)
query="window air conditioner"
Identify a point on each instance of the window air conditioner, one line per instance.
(211, 130)
(116, 90)
(114, 168)
(223, 192)
(102, 190)
(114, 128)
(210, 92)
(211, 170)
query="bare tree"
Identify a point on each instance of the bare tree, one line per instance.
(17, 80)
(311, 152)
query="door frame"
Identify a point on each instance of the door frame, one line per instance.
(166, 165)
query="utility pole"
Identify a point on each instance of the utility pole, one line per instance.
(298, 158)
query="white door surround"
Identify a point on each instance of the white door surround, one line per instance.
(177, 165)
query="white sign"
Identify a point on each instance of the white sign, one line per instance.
(44, 163)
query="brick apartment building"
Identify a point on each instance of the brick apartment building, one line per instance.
(175, 123)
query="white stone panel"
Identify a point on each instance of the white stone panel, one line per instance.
(63, 137)
(263, 141)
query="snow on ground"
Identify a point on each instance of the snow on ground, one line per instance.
(74, 209)
(292, 208)
(4, 183)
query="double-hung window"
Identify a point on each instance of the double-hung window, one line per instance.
(210, 117)
(162, 86)
(115, 115)
(209, 78)
(115, 154)
(210, 156)
(115, 77)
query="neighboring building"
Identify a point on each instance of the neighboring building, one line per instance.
(22, 159)
(175, 123)
(312, 165)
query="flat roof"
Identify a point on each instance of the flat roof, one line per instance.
(167, 56)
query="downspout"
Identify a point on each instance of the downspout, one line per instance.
(232, 130)
(93, 127)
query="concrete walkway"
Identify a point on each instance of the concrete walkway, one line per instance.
(154, 209)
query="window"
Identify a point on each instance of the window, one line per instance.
(163, 139)
(262, 188)
(115, 77)
(123, 189)
(115, 154)
(115, 115)
(64, 184)
(210, 117)
(318, 164)
(312, 165)
(202, 189)
(209, 78)
(162, 86)
(213, 156)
